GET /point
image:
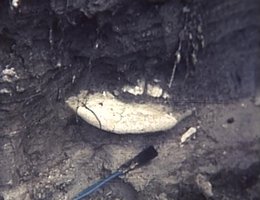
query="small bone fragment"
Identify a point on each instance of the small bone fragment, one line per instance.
(154, 90)
(135, 90)
(5, 91)
(165, 95)
(185, 136)
(9, 75)
(15, 3)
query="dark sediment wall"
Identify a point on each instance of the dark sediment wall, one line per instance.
(55, 47)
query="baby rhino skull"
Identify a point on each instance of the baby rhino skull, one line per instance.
(105, 111)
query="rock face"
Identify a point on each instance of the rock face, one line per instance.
(206, 51)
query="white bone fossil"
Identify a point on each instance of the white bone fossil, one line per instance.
(105, 111)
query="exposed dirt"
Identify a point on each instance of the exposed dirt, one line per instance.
(52, 49)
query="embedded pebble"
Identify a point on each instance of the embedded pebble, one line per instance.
(257, 100)
(162, 196)
(204, 185)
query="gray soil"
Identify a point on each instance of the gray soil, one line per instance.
(58, 47)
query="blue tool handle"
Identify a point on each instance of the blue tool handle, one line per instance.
(97, 185)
